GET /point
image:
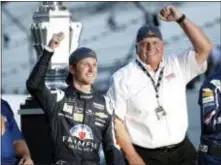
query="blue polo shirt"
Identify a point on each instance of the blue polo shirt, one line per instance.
(12, 133)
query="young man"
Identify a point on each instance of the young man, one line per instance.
(13, 147)
(210, 103)
(79, 119)
(149, 95)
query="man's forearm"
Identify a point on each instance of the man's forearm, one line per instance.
(199, 40)
(37, 76)
(21, 149)
(124, 140)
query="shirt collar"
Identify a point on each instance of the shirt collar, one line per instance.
(74, 92)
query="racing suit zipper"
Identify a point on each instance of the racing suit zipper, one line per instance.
(82, 160)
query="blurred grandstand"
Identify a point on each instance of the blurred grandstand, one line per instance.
(115, 47)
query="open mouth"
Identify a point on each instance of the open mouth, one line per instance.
(90, 75)
(151, 54)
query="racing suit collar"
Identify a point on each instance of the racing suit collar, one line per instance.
(74, 92)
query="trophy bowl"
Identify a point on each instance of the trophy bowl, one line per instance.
(49, 18)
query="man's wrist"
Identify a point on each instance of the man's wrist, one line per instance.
(131, 154)
(49, 49)
(26, 156)
(181, 19)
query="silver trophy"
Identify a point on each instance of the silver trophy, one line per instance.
(49, 18)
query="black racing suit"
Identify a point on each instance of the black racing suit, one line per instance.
(79, 122)
(210, 104)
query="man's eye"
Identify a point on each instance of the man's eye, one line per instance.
(143, 44)
(83, 65)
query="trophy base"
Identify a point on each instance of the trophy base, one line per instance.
(36, 132)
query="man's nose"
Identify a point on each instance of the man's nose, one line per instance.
(91, 68)
(149, 46)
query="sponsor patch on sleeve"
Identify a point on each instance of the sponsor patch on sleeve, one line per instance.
(208, 99)
(207, 90)
(207, 93)
(209, 116)
(210, 104)
(216, 83)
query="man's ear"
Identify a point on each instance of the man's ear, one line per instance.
(72, 69)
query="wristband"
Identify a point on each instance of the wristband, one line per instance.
(181, 19)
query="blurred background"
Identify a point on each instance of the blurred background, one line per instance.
(110, 29)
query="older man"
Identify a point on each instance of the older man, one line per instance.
(149, 95)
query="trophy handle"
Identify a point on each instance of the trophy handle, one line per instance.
(75, 33)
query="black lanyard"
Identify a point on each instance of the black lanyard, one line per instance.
(157, 86)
